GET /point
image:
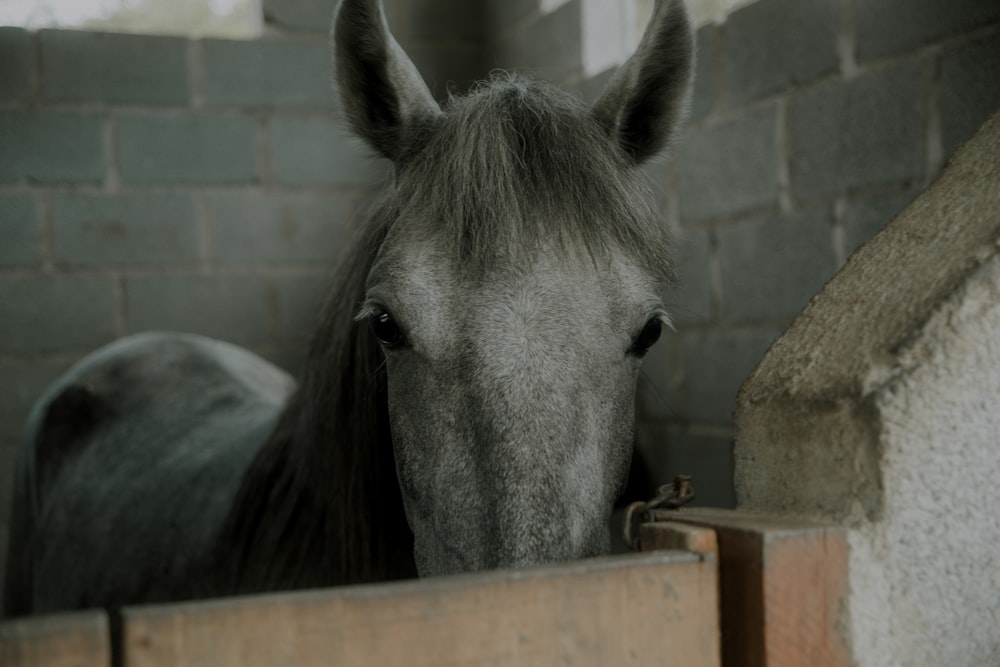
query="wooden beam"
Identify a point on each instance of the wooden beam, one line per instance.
(782, 584)
(628, 610)
(65, 640)
(667, 535)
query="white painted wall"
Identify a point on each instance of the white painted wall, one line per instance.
(879, 409)
(925, 584)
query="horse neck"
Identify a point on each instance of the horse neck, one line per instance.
(320, 504)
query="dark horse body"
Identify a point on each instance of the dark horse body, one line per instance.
(467, 401)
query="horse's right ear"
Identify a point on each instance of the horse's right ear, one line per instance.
(646, 97)
(382, 92)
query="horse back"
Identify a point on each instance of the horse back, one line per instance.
(127, 467)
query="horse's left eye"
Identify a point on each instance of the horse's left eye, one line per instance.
(386, 329)
(647, 338)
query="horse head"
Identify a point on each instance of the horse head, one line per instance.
(515, 290)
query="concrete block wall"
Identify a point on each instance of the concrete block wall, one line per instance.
(161, 183)
(206, 185)
(198, 185)
(813, 122)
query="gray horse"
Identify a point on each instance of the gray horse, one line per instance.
(468, 399)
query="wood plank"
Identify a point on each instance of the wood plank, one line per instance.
(626, 610)
(64, 640)
(666, 535)
(782, 583)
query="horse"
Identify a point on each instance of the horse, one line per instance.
(468, 399)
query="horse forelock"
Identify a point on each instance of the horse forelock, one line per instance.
(519, 162)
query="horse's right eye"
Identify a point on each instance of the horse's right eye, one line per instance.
(386, 330)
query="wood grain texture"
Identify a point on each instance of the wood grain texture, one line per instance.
(665, 535)
(637, 609)
(65, 640)
(783, 584)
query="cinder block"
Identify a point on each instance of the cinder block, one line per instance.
(860, 133)
(125, 229)
(55, 313)
(864, 218)
(970, 89)
(319, 151)
(301, 298)
(448, 68)
(267, 227)
(708, 459)
(550, 47)
(729, 168)
(691, 300)
(715, 365)
(23, 382)
(240, 308)
(772, 267)
(51, 147)
(772, 44)
(704, 94)
(888, 27)
(187, 149)
(299, 15)
(82, 66)
(15, 64)
(505, 16)
(19, 228)
(268, 73)
(446, 21)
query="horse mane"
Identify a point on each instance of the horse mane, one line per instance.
(511, 165)
(519, 162)
(320, 504)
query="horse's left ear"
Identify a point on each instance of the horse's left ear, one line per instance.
(646, 97)
(383, 94)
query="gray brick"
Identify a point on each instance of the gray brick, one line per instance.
(299, 15)
(864, 132)
(864, 218)
(19, 227)
(691, 300)
(23, 382)
(550, 47)
(504, 16)
(268, 73)
(703, 92)
(55, 313)
(448, 68)
(970, 89)
(241, 308)
(82, 66)
(301, 299)
(771, 268)
(15, 64)
(451, 20)
(590, 89)
(258, 227)
(190, 149)
(672, 451)
(319, 151)
(729, 168)
(715, 366)
(772, 44)
(887, 27)
(51, 147)
(124, 229)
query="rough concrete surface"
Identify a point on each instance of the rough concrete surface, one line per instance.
(880, 407)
